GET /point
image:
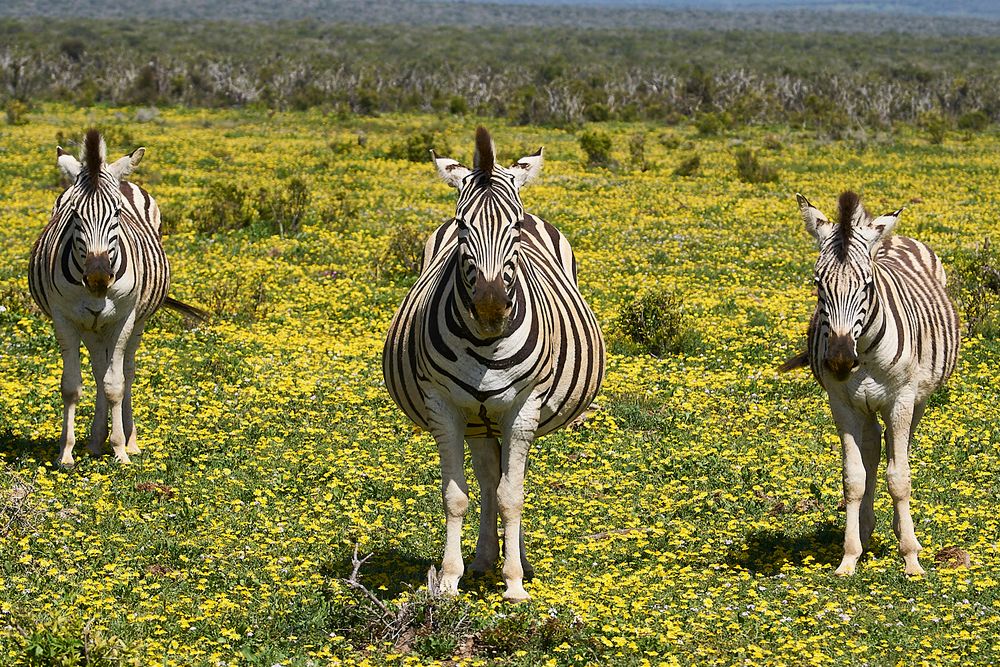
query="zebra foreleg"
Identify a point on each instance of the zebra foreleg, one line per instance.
(448, 427)
(486, 464)
(519, 432)
(71, 386)
(851, 428)
(899, 423)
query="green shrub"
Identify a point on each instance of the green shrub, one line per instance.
(597, 112)
(637, 151)
(657, 323)
(457, 106)
(403, 254)
(15, 111)
(597, 146)
(689, 166)
(68, 642)
(417, 146)
(935, 124)
(751, 170)
(227, 206)
(284, 208)
(974, 121)
(712, 123)
(975, 285)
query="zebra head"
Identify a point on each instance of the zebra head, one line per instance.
(488, 216)
(845, 277)
(94, 203)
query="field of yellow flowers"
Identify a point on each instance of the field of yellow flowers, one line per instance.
(692, 519)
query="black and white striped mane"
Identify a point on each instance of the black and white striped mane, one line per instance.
(484, 160)
(93, 160)
(849, 212)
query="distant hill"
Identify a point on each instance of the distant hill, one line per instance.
(958, 17)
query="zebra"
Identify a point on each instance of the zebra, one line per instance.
(884, 335)
(493, 344)
(98, 270)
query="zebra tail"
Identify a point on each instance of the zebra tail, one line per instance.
(186, 310)
(800, 360)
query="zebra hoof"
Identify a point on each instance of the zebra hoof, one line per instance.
(913, 568)
(845, 570)
(516, 593)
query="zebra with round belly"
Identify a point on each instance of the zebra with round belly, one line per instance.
(495, 345)
(883, 337)
(99, 271)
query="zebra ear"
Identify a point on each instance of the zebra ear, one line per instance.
(452, 171)
(527, 168)
(880, 228)
(69, 164)
(122, 167)
(817, 224)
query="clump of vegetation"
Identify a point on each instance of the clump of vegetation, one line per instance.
(403, 254)
(750, 169)
(657, 323)
(225, 207)
(935, 125)
(974, 121)
(689, 166)
(597, 146)
(67, 642)
(637, 151)
(15, 111)
(245, 299)
(713, 123)
(228, 206)
(417, 147)
(284, 208)
(974, 282)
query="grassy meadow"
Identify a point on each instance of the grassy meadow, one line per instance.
(691, 519)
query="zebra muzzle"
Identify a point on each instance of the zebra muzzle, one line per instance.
(841, 357)
(97, 273)
(491, 306)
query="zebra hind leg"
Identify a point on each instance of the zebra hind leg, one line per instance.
(71, 387)
(98, 441)
(486, 464)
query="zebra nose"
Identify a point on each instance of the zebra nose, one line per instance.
(97, 272)
(841, 357)
(490, 302)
